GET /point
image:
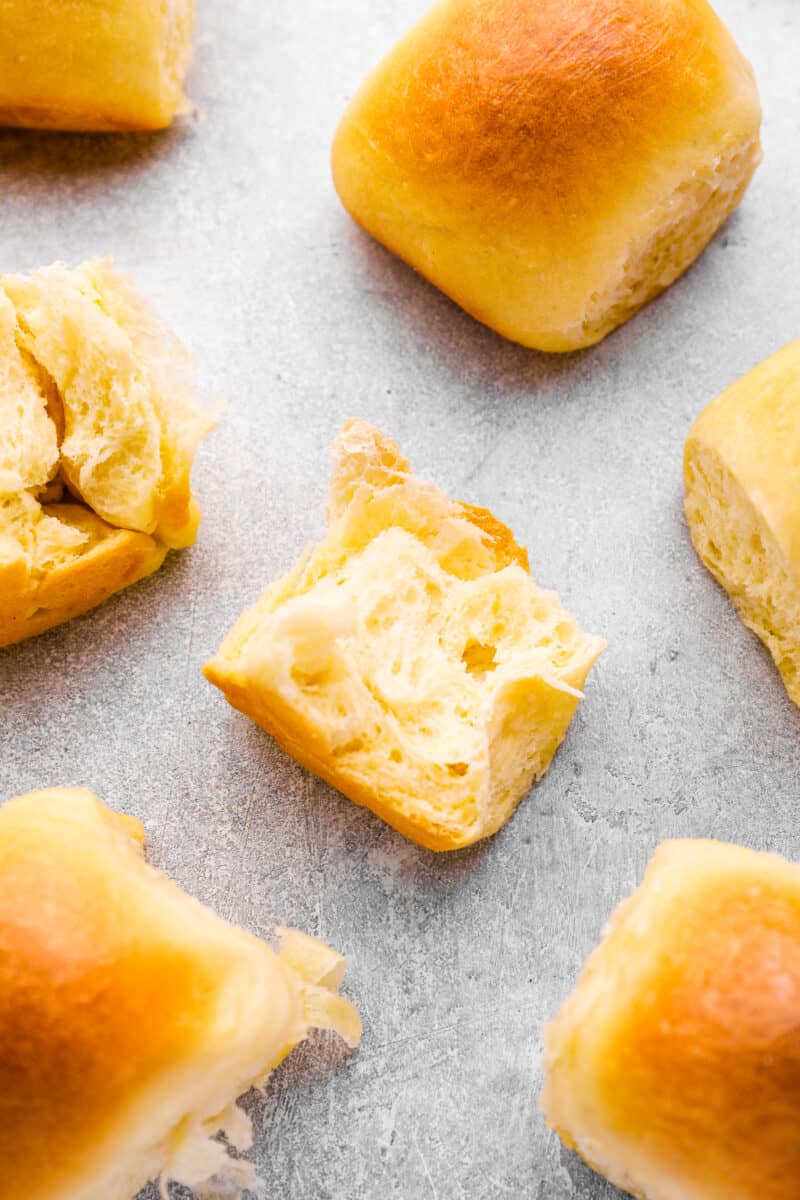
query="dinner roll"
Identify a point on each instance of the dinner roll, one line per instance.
(552, 165)
(674, 1067)
(98, 429)
(742, 476)
(409, 659)
(94, 64)
(131, 1016)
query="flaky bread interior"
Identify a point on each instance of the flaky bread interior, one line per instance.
(131, 426)
(742, 477)
(89, 67)
(409, 659)
(28, 435)
(552, 166)
(98, 429)
(674, 1066)
(131, 1016)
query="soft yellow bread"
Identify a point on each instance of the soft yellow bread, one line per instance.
(131, 1016)
(742, 477)
(94, 64)
(98, 429)
(552, 165)
(409, 659)
(674, 1067)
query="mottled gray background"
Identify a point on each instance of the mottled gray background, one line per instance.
(231, 223)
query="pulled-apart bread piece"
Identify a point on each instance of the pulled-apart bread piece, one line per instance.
(131, 1016)
(409, 659)
(674, 1067)
(86, 65)
(742, 477)
(98, 429)
(552, 165)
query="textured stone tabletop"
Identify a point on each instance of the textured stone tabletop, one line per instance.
(230, 222)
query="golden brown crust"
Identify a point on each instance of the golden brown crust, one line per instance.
(514, 153)
(115, 559)
(502, 539)
(89, 68)
(522, 90)
(675, 1066)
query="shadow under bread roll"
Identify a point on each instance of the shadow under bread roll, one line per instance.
(674, 1067)
(131, 1016)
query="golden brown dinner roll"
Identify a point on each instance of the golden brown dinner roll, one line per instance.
(674, 1066)
(131, 1016)
(552, 165)
(98, 429)
(409, 659)
(94, 64)
(742, 475)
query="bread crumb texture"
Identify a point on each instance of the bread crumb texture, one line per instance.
(131, 1016)
(98, 429)
(552, 166)
(409, 658)
(674, 1066)
(742, 477)
(90, 66)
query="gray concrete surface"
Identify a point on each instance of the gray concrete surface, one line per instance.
(231, 223)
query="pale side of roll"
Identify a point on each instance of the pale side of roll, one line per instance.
(742, 476)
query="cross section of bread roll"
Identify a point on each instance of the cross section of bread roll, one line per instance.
(552, 165)
(742, 476)
(674, 1067)
(131, 1016)
(410, 659)
(94, 64)
(98, 429)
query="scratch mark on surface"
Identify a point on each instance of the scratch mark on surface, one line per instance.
(236, 876)
(422, 1158)
(424, 1036)
(158, 858)
(495, 1181)
(587, 863)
